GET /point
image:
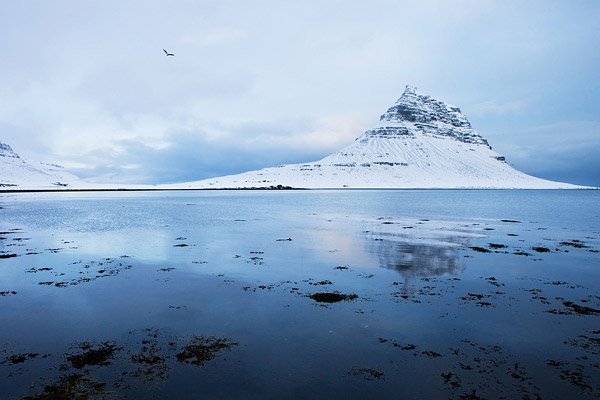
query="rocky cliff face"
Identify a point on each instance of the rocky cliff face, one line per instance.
(416, 112)
(7, 151)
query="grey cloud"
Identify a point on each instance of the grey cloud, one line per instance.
(192, 156)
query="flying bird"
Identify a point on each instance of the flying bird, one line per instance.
(167, 53)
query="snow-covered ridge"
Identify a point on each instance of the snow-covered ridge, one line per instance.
(419, 142)
(18, 173)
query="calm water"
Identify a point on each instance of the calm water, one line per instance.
(290, 294)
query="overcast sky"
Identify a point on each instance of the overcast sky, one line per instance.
(260, 83)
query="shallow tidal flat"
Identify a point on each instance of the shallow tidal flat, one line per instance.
(300, 294)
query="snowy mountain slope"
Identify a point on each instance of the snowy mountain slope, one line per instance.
(17, 173)
(419, 142)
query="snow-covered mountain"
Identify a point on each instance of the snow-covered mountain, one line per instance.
(17, 173)
(419, 142)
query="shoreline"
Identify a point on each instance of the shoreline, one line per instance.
(261, 188)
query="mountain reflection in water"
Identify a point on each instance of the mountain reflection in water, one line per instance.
(421, 252)
(418, 260)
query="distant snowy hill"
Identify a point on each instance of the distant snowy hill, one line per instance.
(17, 173)
(419, 142)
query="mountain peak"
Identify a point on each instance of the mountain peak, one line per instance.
(417, 112)
(409, 89)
